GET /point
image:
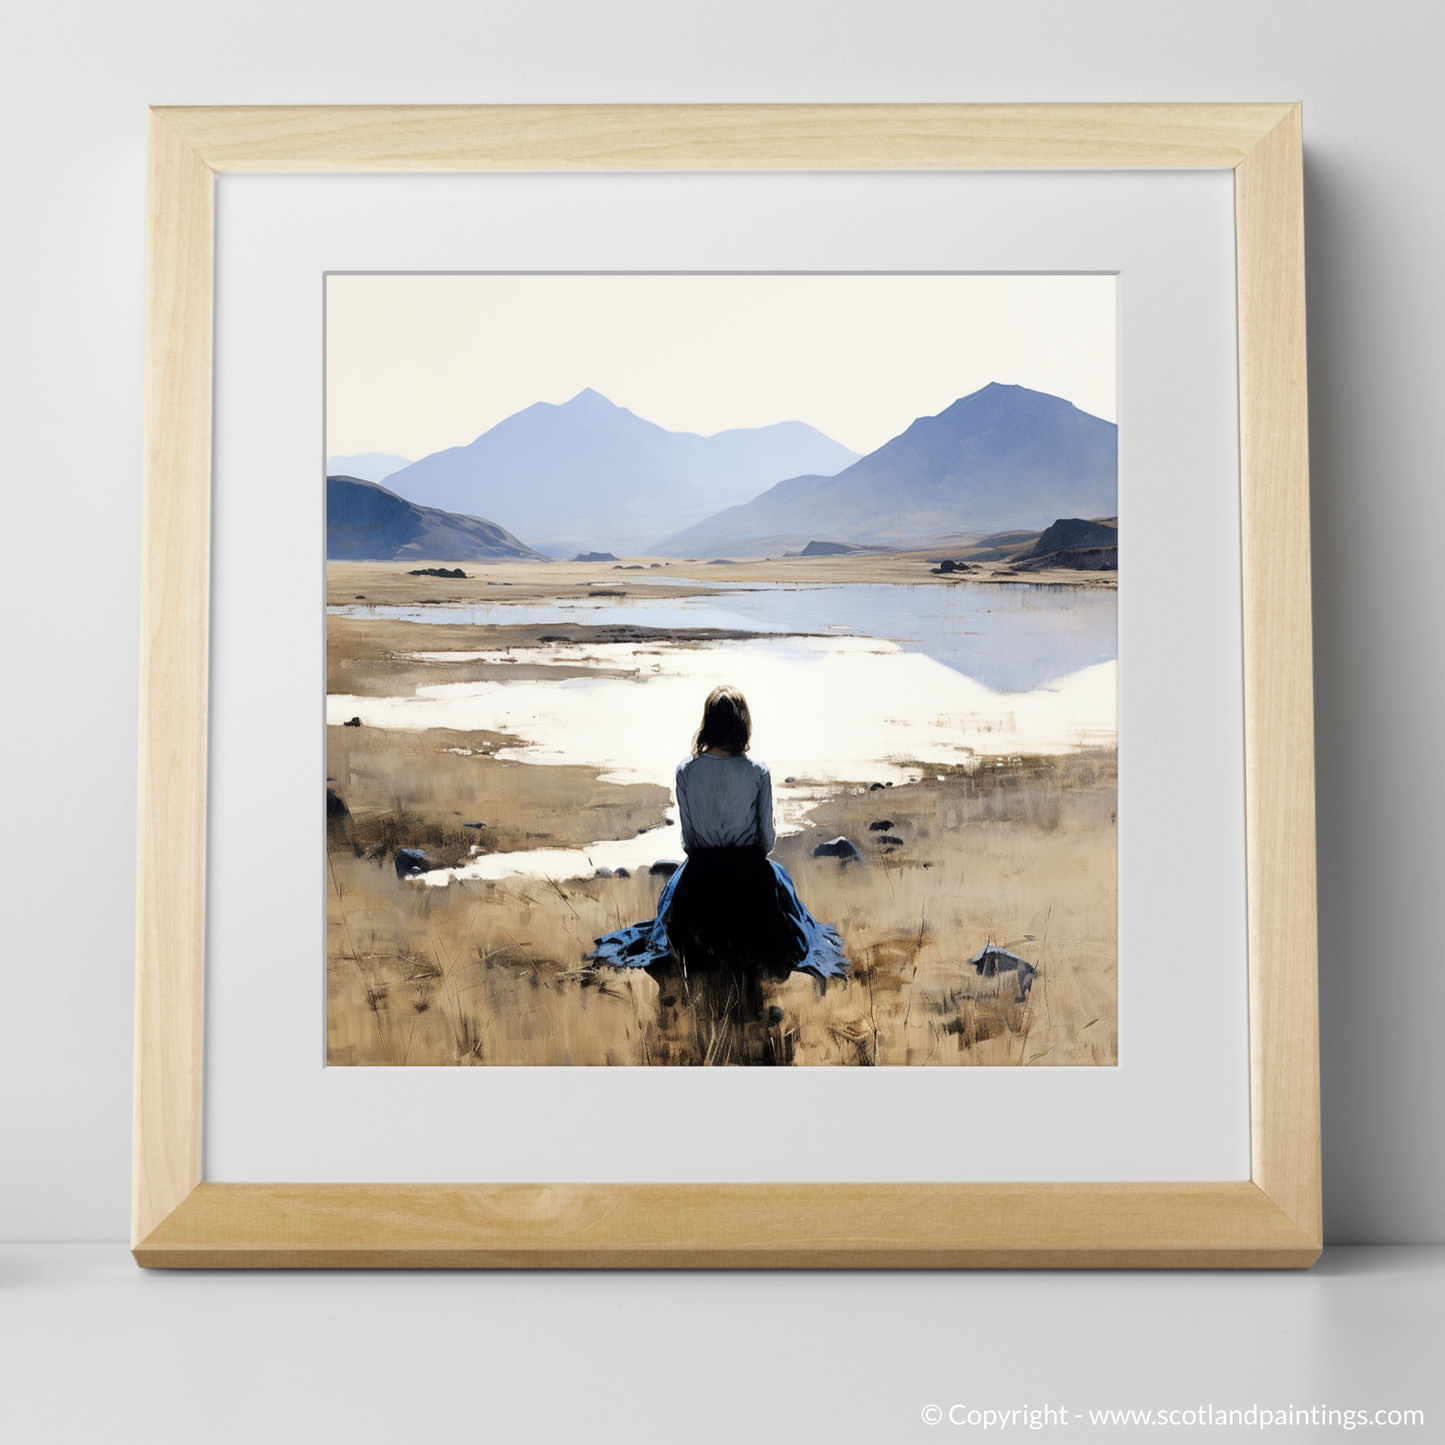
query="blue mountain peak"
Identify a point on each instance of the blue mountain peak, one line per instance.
(590, 400)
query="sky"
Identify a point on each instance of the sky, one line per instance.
(415, 364)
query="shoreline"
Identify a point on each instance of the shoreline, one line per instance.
(956, 847)
(389, 583)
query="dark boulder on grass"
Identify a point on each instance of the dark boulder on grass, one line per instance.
(838, 847)
(352, 722)
(452, 572)
(336, 805)
(663, 868)
(991, 960)
(410, 862)
(881, 826)
(888, 840)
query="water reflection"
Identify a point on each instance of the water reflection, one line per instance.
(1012, 637)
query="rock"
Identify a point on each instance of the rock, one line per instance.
(663, 868)
(594, 557)
(876, 788)
(352, 722)
(336, 806)
(882, 826)
(474, 825)
(553, 637)
(890, 840)
(410, 862)
(603, 873)
(453, 572)
(621, 873)
(991, 960)
(790, 780)
(838, 847)
(655, 565)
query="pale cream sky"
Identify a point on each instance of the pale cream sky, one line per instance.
(418, 363)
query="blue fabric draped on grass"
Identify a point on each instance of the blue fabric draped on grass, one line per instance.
(647, 943)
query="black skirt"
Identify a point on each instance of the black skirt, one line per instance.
(729, 908)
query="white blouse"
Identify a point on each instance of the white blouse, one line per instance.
(725, 803)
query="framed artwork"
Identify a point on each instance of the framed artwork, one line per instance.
(722, 674)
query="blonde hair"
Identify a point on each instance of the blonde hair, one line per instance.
(727, 725)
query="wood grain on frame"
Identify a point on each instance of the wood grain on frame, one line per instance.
(1278, 693)
(720, 137)
(1273, 1221)
(175, 568)
(700, 1226)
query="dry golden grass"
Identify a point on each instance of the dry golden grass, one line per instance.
(1021, 853)
(420, 788)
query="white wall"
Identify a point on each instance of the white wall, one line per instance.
(79, 77)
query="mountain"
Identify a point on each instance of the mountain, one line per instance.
(366, 522)
(1001, 458)
(366, 466)
(590, 476)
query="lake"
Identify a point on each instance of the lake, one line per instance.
(1012, 637)
(858, 684)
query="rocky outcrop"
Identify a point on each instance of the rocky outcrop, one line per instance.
(1074, 542)
(1079, 559)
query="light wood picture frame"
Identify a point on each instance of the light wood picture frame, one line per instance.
(1271, 1220)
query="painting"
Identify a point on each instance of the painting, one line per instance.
(721, 670)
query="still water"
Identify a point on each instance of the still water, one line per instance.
(1011, 637)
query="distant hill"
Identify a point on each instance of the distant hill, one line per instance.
(366, 522)
(1002, 546)
(590, 476)
(1003, 458)
(366, 466)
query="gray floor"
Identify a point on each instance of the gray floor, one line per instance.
(93, 1349)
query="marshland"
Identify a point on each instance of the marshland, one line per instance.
(518, 729)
